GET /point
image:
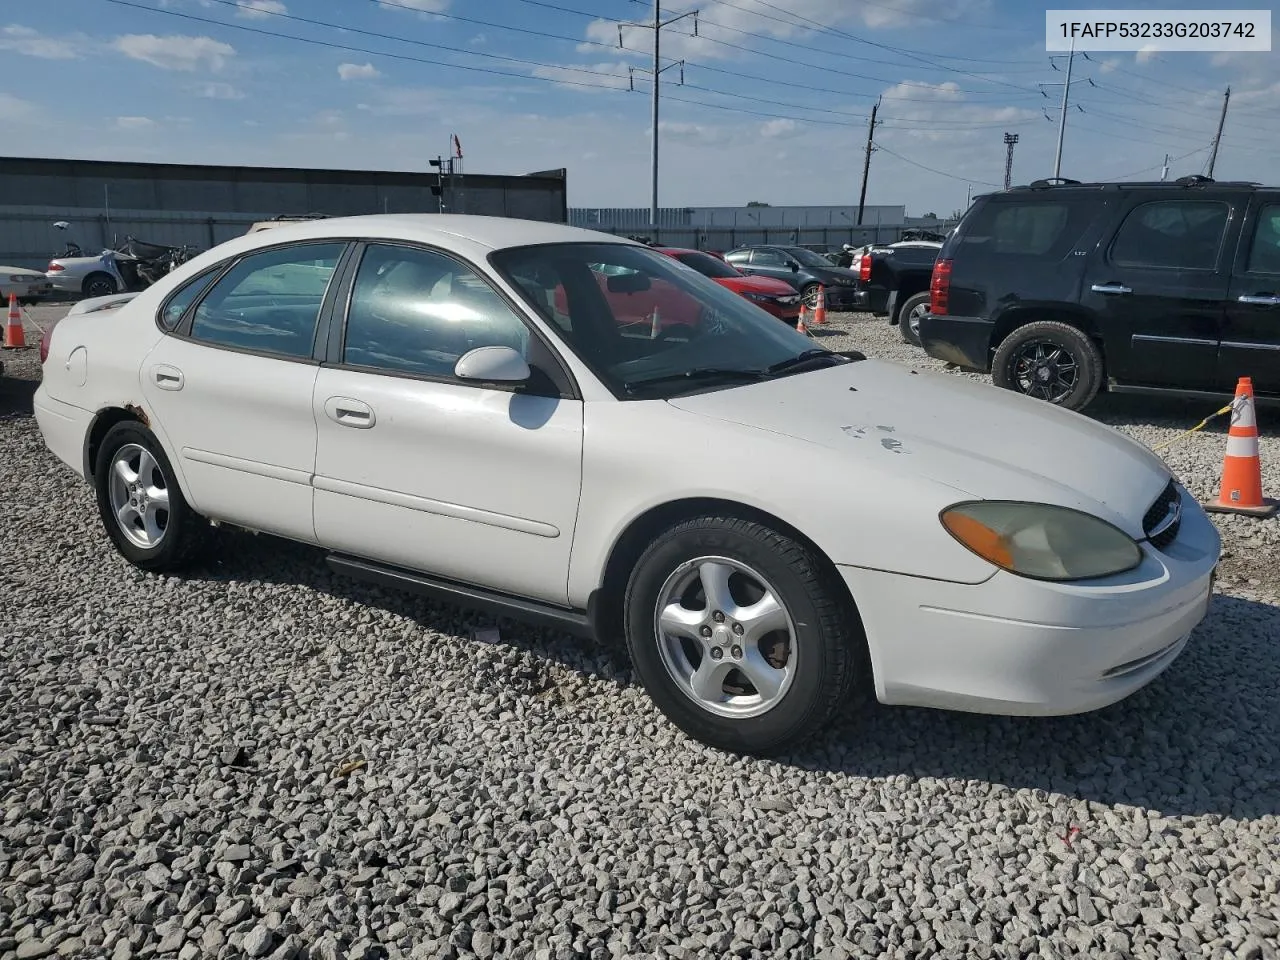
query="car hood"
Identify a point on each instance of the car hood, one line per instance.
(21, 272)
(981, 441)
(762, 285)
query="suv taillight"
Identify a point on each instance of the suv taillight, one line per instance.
(940, 287)
(864, 267)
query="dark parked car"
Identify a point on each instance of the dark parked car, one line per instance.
(893, 282)
(1061, 289)
(803, 269)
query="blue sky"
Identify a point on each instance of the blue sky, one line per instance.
(773, 105)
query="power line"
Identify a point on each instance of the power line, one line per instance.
(941, 173)
(1157, 166)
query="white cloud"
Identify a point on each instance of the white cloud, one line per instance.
(175, 52)
(358, 71)
(700, 134)
(219, 91)
(616, 76)
(13, 108)
(31, 42)
(259, 9)
(782, 127)
(134, 123)
(939, 112)
(425, 6)
(1146, 54)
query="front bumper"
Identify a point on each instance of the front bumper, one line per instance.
(64, 428)
(1022, 647)
(964, 341)
(25, 289)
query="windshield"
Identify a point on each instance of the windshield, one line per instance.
(706, 264)
(647, 325)
(808, 257)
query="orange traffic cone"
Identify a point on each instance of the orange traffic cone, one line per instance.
(820, 311)
(13, 335)
(1241, 490)
(801, 326)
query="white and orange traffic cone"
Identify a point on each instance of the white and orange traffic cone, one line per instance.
(820, 309)
(14, 338)
(801, 326)
(1241, 490)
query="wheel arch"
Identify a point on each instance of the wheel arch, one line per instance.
(1022, 314)
(604, 607)
(108, 417)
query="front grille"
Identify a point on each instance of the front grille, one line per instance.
(1164, 517)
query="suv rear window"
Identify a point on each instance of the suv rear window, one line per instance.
(1026, 228)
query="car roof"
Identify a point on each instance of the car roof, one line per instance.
(495, 233)
(674, 250)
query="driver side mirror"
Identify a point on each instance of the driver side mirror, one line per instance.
(795, 267)
(497, 364)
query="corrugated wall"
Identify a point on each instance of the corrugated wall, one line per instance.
(178, 204)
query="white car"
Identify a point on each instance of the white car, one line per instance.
(27, 285)
(455, 405)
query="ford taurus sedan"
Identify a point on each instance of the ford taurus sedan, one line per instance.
(448, 404)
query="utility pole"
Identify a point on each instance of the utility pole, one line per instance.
(1066, 93)
(1009, 140)
(657, 26)
(1213, 157)
(866, 163)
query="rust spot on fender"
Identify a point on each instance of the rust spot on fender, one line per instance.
(138, 412)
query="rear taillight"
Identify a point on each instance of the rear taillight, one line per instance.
(44, 344)
(864, 267)
(940, 287)
(55, 267)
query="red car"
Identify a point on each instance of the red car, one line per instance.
(774, 296)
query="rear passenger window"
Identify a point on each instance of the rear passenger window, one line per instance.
(1264, 253)
(1175, 234)
(269, 302)
(1037, 228)
(172, 313)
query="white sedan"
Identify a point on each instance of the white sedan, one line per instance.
(468, 407)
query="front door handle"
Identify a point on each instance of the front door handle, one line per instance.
(1264, 299)
(167, 377)
(1110, 288)
(349, 413)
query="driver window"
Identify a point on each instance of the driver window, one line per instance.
(269, 302)
(416, 311)
(767, 258)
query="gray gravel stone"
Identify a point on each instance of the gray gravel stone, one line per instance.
(522, 798)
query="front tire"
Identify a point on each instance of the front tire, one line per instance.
(1050, 361)
(809, 296)
(99, 285)
(142, 508)
(909, 314)
(740, 634)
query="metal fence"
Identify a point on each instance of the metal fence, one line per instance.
(727, 238)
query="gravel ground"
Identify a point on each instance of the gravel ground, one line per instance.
(178, 768)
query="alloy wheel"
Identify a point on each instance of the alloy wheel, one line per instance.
(139, 495)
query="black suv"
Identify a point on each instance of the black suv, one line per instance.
(803, 269)
(1061, 289)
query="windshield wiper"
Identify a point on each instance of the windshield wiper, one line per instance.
(804, 359)
(696, 374)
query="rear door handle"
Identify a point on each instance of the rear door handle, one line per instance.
(167, 377)
(349, 413)
(1110, 288)
(1264, 299)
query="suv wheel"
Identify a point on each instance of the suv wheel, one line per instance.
(909, 314)
(1050, 361)
(740, 634)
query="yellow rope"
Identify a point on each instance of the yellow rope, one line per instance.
(1199, 426)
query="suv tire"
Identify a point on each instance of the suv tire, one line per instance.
(765, 663)
(1050, 361)
(912, 304)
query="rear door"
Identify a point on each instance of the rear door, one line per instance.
(1158, 288)
(1251, 332)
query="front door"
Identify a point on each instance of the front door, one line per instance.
(419, 469)
(232, 384)
(1251, 335)
(770, 262)
(1158, 290)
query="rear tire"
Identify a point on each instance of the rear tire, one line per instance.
(775, 668)
(1050, 361)
(98, 285)
(916, 305)
(145, 514)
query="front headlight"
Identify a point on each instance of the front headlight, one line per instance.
(1041, 541)
(759, 297)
